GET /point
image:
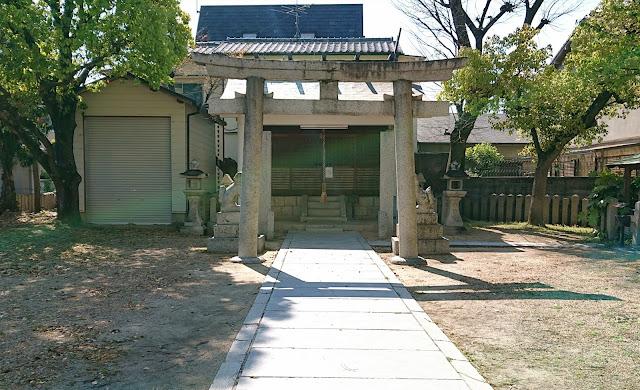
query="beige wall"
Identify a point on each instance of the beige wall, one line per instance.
(127, 98)
(202, 140)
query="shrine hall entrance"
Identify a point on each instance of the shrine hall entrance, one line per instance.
(347, 160)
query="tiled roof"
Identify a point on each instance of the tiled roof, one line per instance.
(249, 46)
(627, 161)
(218, 23)
(431, 130)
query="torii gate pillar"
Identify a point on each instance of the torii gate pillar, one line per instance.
(405, 174)
(251, 172)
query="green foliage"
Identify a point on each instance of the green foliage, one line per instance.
(65, 42)
(605, 49)
(553, 108)
(474, 87)
(483, 158)
(503, 63)
(49, 50)
(608, 186)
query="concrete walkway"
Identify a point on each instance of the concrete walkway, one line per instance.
(332, 315)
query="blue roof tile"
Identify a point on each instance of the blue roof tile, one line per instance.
(218, 23)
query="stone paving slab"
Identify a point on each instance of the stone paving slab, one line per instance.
(332, 315)
(337, 292)
(365, 339)
(247, 383)
(339, 320)
(302, 304)
(347, 363)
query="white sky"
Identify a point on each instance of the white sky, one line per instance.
(383, 20)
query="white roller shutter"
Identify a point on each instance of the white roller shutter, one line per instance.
(128, 170)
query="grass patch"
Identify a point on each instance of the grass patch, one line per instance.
(585, 232)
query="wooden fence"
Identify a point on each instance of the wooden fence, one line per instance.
(515, 208)
(47, 201)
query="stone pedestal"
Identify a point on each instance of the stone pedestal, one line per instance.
(451, 218)
(430, 236)
(193, 224)
(226, 231)
(225, 234)
(213, 215)
(635, 225)
(429, 232)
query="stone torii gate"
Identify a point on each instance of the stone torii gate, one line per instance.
(399, 109)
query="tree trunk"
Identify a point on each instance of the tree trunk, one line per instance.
(458, 139)
(35, 171)
(536, 209)
(68, 198)
(65, 174)
(8, 199)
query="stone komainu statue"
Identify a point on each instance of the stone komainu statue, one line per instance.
(229, 197)
(425, 199)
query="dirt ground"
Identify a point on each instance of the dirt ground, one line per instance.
(147, 308)
(536, 318)
(115, 307)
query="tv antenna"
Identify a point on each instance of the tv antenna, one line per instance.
(295, 10)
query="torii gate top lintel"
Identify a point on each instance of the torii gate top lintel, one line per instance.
(223, 66)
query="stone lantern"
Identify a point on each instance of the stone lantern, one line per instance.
(193, 223)
(451, 218)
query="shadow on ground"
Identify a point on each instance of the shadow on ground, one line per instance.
(477, 289)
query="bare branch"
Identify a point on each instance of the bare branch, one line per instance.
(453, 24)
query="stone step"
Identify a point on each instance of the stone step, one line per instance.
(323, 212)
(329, 205)
(316, 229)
(330, 199)
(334, 220)
(324, 226)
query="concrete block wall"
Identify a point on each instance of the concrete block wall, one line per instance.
(286, 206)
(367, 207)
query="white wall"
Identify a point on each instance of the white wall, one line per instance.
(202, 142)
(623, 128)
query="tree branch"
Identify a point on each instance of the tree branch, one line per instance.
(598, 104)
(531, 11)
(536, 142)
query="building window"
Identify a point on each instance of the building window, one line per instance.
(307, 35)
(249, 35)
